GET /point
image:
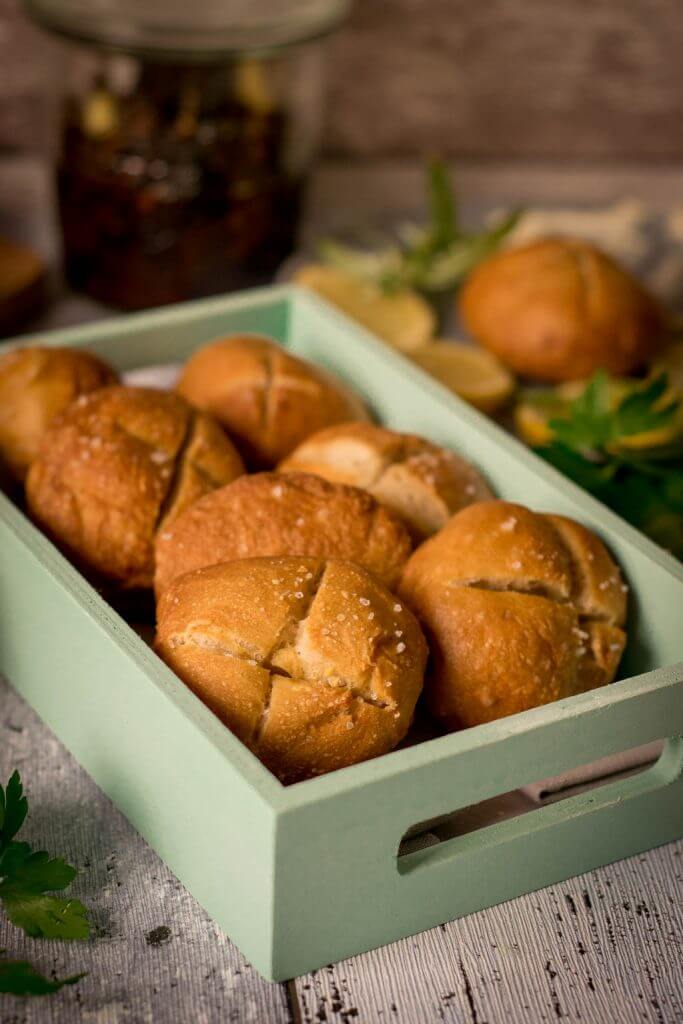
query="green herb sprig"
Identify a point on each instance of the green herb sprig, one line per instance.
(590, 446)
(431, 257)
(27, 877)
(20, 978)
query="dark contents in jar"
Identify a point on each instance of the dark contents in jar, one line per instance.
(175, 191)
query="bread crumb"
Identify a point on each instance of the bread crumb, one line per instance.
(516, 564)
(371, 616)
(158, 456)
(603, 585)
(341, 617)
(398, 608)
(400, 647)
(364, 601)
(398, 633)
(349, 724)
(277, 491)
(299, 594)
(508, 524)
(300, 521)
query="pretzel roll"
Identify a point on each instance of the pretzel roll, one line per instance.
(313, 664)
(267, 399)
(559, 309)
(520, 609)
(283, 514)
(419, 481)
(117, 466)
(36, 384)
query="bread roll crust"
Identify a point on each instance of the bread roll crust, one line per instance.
(520, 608)
(119, 464)
(267, 399)
(312, 663)
(283, 514)
(559, 310)
(36, 384)
(420, 481)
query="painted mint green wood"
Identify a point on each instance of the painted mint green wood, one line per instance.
(302, 876)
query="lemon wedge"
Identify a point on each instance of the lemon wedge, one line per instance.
(403, 319)
(473, 374)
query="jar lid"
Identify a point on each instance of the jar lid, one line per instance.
(197, 28)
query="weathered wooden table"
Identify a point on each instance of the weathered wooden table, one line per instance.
(603, 947)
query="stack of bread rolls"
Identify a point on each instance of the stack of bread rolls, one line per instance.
(300, 554)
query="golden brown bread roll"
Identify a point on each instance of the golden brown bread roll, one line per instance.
(266, 398)
(419, 481)
(311, 663)
(117, 466)
(559, 310)
(520, 609)
(36, 384)
(283, 514)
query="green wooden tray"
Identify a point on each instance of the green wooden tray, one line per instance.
(305, 875)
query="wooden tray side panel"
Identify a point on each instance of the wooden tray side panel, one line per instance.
(372, 898)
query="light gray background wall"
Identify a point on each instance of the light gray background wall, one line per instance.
(566, 79)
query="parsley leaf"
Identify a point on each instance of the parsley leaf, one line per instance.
(638, 412)
(48, 917)
(20, 978)
(13, 809)
(589, 444)
(27, 877)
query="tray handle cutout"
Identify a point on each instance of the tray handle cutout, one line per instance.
(585, 788)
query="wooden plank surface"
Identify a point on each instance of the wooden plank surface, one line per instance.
(604, 947)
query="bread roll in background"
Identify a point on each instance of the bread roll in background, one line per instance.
(519, 608)
(421, 482)
(283, 514)
(313, 664)
(118, 465)
(267, 399)
(36, 384)
(559, 310)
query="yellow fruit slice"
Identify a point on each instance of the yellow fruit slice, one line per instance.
(473, 374)
(403, 319)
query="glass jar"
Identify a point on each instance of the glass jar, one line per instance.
(186, 132)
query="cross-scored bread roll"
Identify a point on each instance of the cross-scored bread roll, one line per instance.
(283, 514)
(421, 482)
(520, 609)
(559, 309)
(266, 398)
(36, 384)
(117, 466)
(313, 664)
